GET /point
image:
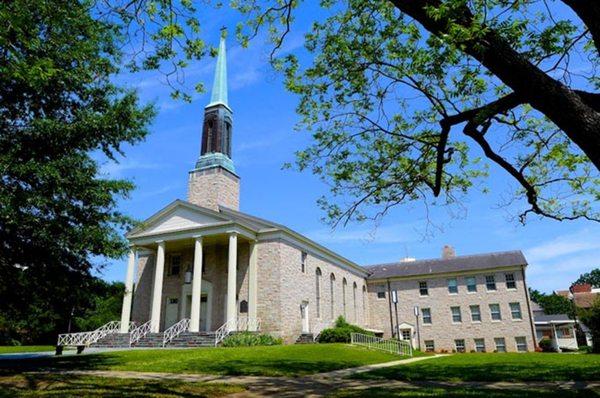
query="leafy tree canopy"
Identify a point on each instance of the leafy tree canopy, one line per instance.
(592, 277)
(553, 303)
(413, 100)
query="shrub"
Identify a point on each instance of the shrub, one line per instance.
(248, 339)
(340, 333)
(546, 345)
(585, 349)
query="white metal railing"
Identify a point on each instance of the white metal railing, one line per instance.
(139, 332)
(232, 325)
(175, 330)
(399, 347)
(87, 338)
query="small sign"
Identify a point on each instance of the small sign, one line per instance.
(394, 296)
(416, 310)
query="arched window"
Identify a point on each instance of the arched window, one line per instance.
(364, 305)
(318, 291)
(332, 296)
(354, 287)
(344, 284)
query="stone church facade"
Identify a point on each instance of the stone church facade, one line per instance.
(204, 264)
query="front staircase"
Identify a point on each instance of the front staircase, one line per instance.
(113, 340)
(150, 340)
(188, 339)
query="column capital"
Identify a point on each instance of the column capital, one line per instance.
(232, 233)
(198, 237)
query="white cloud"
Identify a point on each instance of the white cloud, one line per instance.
(564, 245)
(399, 233)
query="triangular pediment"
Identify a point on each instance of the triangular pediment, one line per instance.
(178, 216)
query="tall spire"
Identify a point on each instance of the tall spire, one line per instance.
(219, 89)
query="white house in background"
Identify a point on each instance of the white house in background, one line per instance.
(558, 328)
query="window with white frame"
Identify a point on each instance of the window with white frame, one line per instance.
(471, 284)
(495, 312)
(510, 281)
(426, 315)
(456, 316)
(406, 334)
(174, 265)
(429, 346)
(490, 282)
(475, 313)
(423, 291)
(381, 292)
(459, 345)
(318, 291)
(303, 256)
(500, 344)
(344, 285)
(521, 344)
(515, 311)
(331, 296)
(479, 345)
(452, 286)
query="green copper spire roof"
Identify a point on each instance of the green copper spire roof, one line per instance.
(219, 90)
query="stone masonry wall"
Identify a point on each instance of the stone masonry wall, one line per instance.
(443, 331)
(213, 187)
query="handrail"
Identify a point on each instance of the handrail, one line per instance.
(87, 338)
(138, 333)
(399, 347)
(175, 330)
(241, 324)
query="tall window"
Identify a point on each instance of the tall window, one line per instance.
(495, 312)
(354, 288)
(364, 304)
(344, 284)
(515, 311)
(475, 313)
(303, 262)
(510, 281)
(426, 315)
(452, 286)
(174, 265)
(318, 291)
(471, 284)
(332, 295)
(490, 282)
(423, 291)
(456, 315)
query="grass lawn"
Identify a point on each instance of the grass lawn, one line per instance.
(462, 392)
(497, 367)
(283, 360)
(55, 385)
(10, 349)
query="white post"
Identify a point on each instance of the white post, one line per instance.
(252, 286)
(196, 286)
(128, 296)
(158, 284)
(232, 281)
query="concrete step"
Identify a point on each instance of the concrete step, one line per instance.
(150, 340)
(305, 338)
(113, 340)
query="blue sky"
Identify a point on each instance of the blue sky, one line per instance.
(264, 139)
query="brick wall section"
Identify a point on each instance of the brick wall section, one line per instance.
(442, 330)
(213, 187)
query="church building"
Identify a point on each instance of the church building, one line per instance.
(200, 269)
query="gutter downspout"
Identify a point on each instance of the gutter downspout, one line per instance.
(535, 344)
(390, 305)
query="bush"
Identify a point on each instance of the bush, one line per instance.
(248, 339)
(340, 333)
(585, 349)
(546, 345)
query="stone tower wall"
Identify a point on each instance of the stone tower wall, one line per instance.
(213, 187)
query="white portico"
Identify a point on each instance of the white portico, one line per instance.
(185, 228)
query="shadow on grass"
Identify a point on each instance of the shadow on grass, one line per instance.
(55, 385)
(462, 392)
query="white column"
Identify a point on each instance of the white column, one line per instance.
(128, 296)
(252, 285)
(158, 284)
(232, 280)
(196, 286)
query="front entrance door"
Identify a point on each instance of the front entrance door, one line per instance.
(305, 320)
(171, 311)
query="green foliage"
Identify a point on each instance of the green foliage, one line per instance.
(341, 332)
(553, 303)
(592, 277)
(105, 305)
(249, 339)
(58, 106)
(546, 345)
(591, 318)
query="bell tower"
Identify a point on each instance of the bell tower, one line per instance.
(213, 181)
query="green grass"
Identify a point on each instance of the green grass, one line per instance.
(283, 360)
(497, 367)
(10, 349)
(66, 386)
(462, 392)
